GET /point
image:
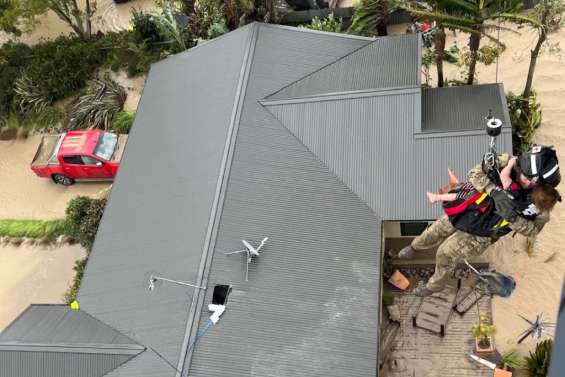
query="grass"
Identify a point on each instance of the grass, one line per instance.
(33, 228)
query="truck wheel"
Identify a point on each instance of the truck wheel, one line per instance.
(63, 179)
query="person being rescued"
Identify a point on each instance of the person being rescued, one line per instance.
(478, 212)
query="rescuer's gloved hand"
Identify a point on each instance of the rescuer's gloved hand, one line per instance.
(504, 204)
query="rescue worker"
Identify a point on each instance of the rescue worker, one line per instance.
(537, 165)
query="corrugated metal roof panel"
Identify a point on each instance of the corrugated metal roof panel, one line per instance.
(52, 324)
(158, 214)
(310, 306)
(49, 364)
(371, 142)
(387, 62)
(462, 107)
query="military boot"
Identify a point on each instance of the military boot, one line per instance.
(406, 253)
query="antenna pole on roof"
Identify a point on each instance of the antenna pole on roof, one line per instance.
(154, 278)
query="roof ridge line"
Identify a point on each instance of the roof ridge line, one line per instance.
(330, 171)
(185, 356)
(369, 43)
(340, 95)
(311, 31)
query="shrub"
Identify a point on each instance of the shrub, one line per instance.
(525, 116)
(330, 23)
(145, 28)
(33, 228)
(208, 18)
(13, 58)
(122, 122)
(72, 292)
(83, 215)
(511, 359)
(124, 52)
(96, 109)
(30, 97)
(60, 67)
(537, 363)
(8, 133)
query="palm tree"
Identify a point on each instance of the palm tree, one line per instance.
(371, 17)
(472, 16)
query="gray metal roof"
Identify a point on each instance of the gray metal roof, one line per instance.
(384, 63)
(57, 324)
(211, 160)
(462, 107)
(557, 364)
(53, 341)
(309, 308)
(49, 364)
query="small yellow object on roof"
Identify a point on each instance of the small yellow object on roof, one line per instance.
(75, 305)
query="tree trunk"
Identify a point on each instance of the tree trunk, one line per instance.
(382, 17)
(534, 56)
(88, 20)
(474, 43)
(439, 46)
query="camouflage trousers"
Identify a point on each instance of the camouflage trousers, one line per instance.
(454, 247)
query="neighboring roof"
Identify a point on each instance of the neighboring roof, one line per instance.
(54, 341)
(53, 324)
(462, 107)
(214, 158)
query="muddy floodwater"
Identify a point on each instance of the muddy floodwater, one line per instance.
(23, 195)
(108, 17)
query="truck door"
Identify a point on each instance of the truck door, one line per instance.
(73, 167)
(94, 168)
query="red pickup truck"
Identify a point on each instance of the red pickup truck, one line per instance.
(79, 155)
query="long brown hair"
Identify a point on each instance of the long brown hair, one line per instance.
(545, 197)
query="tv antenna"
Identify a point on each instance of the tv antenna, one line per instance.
(154, 278)
(537, 328)
(250, 252)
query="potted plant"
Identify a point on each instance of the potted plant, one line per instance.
(483, 332)
(511, 360)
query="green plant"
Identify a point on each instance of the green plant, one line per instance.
(13, 58)
(96, 109)
(49, 118)
(33, 228)
(83, 216)
(537, 363)
(124, 50)
(60, 67)
(153, 27)
(122, 122)
(526, 117)
(30, 96)
(482, 330)
(511, 359)
(72, 292)
(209, 17)
(371, 17)
(330, 24)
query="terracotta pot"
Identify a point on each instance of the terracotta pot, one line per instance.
(481, 350)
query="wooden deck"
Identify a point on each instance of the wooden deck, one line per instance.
(417, 352)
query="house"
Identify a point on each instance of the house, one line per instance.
(311, 139)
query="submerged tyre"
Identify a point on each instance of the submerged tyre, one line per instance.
(62, 179)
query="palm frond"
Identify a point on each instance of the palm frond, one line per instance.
(517, 18)
(439, 17)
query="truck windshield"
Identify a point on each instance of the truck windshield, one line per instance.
(106, 145)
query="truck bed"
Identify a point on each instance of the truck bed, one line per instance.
(47, 151)
(122, 139)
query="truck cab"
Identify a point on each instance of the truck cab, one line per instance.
(79, 155)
